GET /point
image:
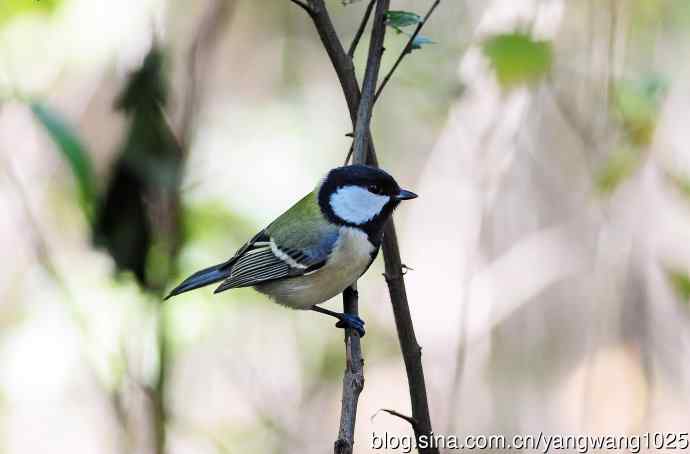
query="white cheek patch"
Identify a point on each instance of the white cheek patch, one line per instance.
(356, 205)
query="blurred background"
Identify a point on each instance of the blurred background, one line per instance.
(143, 140)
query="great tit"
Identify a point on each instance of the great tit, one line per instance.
(318, 247)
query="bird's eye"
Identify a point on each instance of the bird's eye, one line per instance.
(375, 189)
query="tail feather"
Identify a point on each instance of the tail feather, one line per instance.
(201, 278)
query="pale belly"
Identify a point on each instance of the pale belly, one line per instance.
(350, 258)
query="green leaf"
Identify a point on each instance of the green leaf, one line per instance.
(139, 219)
(73, 151)
(401, 19)
(419, 41)
(680, 281)
(9, 9)
(620, 166)
(517, 58)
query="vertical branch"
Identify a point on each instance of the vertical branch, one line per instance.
(411, 351)
(353, 379)
(371, 74)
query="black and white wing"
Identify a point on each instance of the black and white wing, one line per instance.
(298, 242)
(262, 260)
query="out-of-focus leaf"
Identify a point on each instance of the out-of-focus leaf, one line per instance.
(637, 102)
(680, 281)
(619, 166)
(419, 41)
(9, 9)
(73, 151)
(139, 216)
(517, 58)
(400, 19)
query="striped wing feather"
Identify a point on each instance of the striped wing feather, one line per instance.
(258, 264)
(296, 243)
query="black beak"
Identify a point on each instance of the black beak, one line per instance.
(404, 194)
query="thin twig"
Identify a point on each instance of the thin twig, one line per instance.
(406, 50)
(360, 30)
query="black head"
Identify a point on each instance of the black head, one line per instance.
(361, 196)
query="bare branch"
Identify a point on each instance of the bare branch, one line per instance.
(360, 30)
(411, 351)
(371, 73)
(406, 50)
(408, 343)
(353, 378)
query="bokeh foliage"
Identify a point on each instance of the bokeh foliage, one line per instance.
(73, 150)
(518, 58)
(139, 212)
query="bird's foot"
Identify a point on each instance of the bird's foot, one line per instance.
(352, 322)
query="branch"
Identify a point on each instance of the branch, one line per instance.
(353, 379)
(406, 50)
(396, 285)
(360, 30)
(411, 351)
(371, 73)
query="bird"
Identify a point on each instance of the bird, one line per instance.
(318, 247)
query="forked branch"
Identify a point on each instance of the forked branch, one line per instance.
(360, 105)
